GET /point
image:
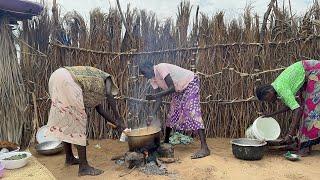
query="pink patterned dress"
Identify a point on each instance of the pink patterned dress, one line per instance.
(309, 133)
(72, 89)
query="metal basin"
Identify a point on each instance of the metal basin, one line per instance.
(248, 149)
(143, 138)
(49, 147)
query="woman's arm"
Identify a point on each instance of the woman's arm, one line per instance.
(117, 120)
(282, 110)
(113, 105)
(170, 90)
(297, 113)
(296, 116)
(104, 114)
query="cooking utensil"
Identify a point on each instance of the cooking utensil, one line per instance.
(14, 164)
(42, 137)
(143, 137)
(112, 125)
(248, 149)
(49, 147)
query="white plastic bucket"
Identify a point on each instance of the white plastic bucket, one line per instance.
(264, 129)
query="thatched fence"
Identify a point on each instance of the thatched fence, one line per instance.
(231, 58)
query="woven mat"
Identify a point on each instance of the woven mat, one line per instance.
(33, 170)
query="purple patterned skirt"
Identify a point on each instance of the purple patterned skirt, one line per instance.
(185, 110)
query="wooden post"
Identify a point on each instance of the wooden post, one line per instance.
(193, 63)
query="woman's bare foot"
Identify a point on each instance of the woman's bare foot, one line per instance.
(201, 153)
(72, 161)
(304, 152)
(89, 171)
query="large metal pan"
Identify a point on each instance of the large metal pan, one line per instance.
(49, 147)
(248, 149)
(143, 138)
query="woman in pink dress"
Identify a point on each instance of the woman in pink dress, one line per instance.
(184, 88)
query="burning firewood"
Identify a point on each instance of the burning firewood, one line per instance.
(168, 160)
(134, 159)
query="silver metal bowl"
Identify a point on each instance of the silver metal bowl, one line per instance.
(248, 149)
(248, 142)
(49, 147)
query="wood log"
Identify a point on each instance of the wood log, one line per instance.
(134, 159)
(168, 160)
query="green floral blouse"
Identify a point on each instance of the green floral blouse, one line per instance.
(92, 82)
(288, 83)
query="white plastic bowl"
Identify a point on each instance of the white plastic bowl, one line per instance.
(14, 164)
(264, 129)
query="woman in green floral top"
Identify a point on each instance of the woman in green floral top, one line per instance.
(72, 89)
(302, 80)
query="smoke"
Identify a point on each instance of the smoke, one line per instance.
(139, 110)
(156, 123)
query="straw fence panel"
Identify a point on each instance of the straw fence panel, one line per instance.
(227, 56)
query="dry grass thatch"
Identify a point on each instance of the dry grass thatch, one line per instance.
(13, 97)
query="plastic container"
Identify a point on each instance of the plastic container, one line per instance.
(14, 164)
(264, 129)
(124, 137)
(1, 170)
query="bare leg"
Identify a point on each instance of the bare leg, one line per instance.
(84, 167)
(167, 135)
(70, 159)
(204, 151)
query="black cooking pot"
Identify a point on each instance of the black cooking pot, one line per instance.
(248, 149)
(144, 138)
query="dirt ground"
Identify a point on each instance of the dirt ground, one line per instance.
(220, 165)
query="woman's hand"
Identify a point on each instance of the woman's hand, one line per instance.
(151, 119)
(288, 139)
(120, 125)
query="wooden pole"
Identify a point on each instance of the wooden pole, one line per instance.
(124, 22)
(265, 19)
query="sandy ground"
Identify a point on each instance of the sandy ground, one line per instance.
(220, 165)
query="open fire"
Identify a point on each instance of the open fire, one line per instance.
(149, 159)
